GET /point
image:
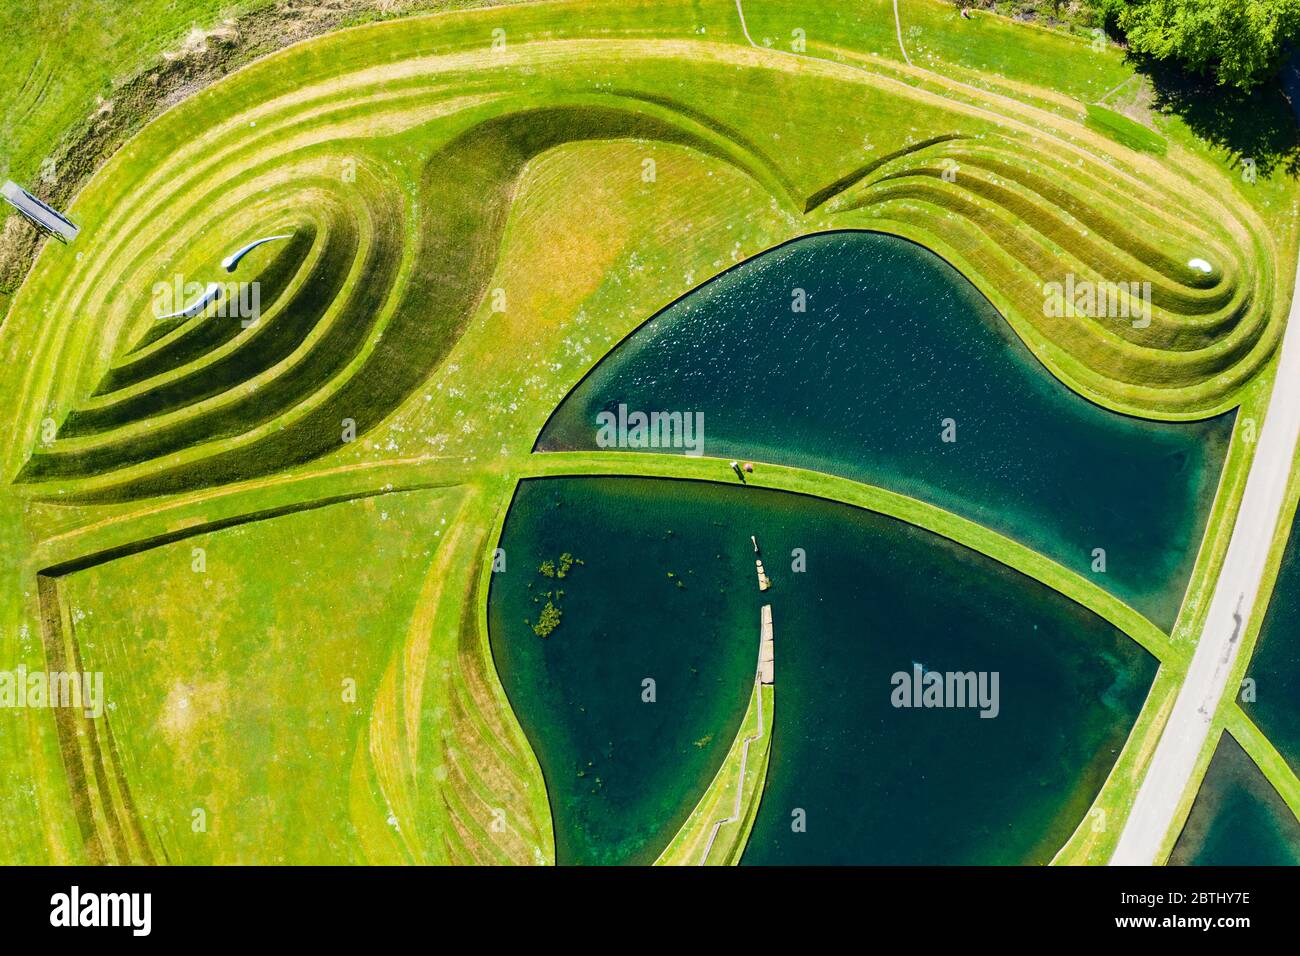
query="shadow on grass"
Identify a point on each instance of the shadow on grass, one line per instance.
(1258, 125)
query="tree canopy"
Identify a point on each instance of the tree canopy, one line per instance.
(1238, 41)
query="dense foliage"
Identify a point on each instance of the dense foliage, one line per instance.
(1236, 42)
(1239, 41)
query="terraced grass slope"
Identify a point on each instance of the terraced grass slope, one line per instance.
(481, 205)
(407, 245)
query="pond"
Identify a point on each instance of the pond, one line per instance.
(660, 585)
(899, 373)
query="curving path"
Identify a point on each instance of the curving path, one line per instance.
(1231, 607)
(734, 816)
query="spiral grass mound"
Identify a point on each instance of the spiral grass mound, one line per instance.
(395, 185)
(1179, 337)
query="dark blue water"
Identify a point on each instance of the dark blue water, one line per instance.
(893, 342)
(667, 591)
(1275, 665)
(1238, 819)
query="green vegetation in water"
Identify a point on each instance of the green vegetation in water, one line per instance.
(469, 198)
(549, 620)
(1125, 130)
(279, 779)
(552, 614)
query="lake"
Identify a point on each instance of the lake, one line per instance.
(894, 352)
(660, 585)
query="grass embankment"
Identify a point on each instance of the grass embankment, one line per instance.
(1094, 840)
(677, 154)
(1126, 130)
(215, 726)
(446, 752)
(718, 828)
(397, 747)
(910, 510)
(83, 77)
(357, 352)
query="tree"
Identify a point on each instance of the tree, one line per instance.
(1238, 41)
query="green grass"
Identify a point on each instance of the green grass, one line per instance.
(499, 237)
(1125, 130)
(61, 60)
(245, 714)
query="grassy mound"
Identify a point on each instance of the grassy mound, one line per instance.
(408, 234)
